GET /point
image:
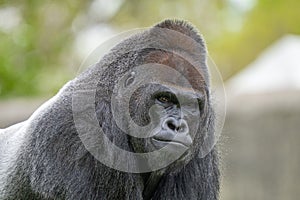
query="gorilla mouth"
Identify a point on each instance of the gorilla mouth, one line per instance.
(163, 142)
(165, 137)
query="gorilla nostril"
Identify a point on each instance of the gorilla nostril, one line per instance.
(182, 128)
(171, 126)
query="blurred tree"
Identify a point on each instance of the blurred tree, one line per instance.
(204, 14)
(267, 21)
(36, 46)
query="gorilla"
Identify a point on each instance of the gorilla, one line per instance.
(154, 134)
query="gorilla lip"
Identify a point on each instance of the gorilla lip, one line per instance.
(167, 141)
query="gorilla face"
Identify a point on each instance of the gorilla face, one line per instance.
(172, 121)
(175, 119)
(175, 110)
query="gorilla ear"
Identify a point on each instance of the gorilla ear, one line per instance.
(183, 27)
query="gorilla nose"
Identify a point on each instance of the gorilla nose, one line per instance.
(176, 125)
(174, 131)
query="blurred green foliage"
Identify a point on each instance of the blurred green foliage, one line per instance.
(263, 25)
(36, 55)
(33, 52)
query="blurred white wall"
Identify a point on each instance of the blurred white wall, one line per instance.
(276, 69)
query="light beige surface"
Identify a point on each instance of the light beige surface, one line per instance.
(13, 111)
(262, 147)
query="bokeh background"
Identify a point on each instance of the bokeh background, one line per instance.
(255, 44)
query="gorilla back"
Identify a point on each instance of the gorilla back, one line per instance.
(156, 79)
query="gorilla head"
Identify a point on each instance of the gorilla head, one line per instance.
(173, 107)
(139, 124)
(160, 97)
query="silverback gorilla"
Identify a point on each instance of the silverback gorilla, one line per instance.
(57, 153)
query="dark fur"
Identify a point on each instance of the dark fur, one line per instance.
(48, 160)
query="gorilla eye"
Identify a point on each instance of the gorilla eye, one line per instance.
(164, 99)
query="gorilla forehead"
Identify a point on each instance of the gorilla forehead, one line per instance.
(191, 73)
